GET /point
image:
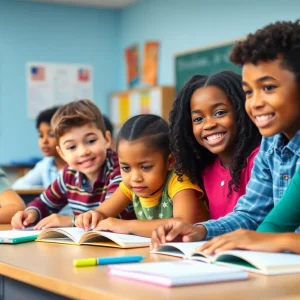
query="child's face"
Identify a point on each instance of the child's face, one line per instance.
(47, 141)
(143, 169)
(213, 120)
(84, 149)
(272, 98)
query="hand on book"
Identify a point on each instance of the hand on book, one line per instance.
(114, 225)
(175, 230)
(54, 220)
(245, 240)
(89, 219)
(21, 219)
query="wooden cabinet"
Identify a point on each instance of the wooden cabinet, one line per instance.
(156, 100)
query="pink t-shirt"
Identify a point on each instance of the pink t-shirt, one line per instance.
(216, 178)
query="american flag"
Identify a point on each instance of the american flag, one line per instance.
(37, 73)
(83, 75)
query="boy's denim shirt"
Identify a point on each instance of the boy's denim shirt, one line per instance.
(274, 167)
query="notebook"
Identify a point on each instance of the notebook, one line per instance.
(175, 273)
(18, 236)
(253, 261)
(78, 236)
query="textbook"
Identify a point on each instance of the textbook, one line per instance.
(265, 263)
(18, 236)
(175, 273)
(78, 236)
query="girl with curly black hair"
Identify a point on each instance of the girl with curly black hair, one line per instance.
(213, 139)
(271, 81)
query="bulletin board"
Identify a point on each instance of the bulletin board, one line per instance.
(50, 84)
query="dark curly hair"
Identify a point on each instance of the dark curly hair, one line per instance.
(280, 39)
(191, 158)
(45, 116)
(151, 128)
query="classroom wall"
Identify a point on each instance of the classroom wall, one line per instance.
(32, 31)
(186, 24)
(54, 33)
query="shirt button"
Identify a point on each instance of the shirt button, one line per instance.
(222, 183)
(286, 177)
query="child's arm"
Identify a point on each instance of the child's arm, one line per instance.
(252, 240)
(111, 207)
(10, 203)
(185, 207)
(53, 199)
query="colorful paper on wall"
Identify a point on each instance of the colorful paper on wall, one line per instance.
(132, 65)
(124, 107)
(145, 103)
(150, 66)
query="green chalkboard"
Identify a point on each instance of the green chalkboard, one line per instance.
(204, 61)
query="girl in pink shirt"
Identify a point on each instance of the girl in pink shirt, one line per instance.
(213, 139)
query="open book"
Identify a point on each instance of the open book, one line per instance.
(175, 273)
(78, 236)
(18, 236)
(254, 261)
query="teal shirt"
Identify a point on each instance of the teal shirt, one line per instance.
(4, 184)
(285, 216)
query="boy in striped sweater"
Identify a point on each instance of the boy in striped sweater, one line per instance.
(91, 175)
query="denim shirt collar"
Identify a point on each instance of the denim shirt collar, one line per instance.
(293, 145)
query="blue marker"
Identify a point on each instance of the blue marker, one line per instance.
(86, 262)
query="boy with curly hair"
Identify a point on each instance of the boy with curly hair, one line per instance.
(271, 81)
(91, 175)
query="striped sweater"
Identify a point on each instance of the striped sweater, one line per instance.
(72, 187)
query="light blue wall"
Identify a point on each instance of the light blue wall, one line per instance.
(53, 33)
(186, 24)
(45, 32)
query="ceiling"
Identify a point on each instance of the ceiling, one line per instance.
(95, 3)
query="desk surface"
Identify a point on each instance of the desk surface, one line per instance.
(49, 266)
(36, 191)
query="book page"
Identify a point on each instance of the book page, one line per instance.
(178, 249)
(124, 240)
(257, 260)
(73, 233)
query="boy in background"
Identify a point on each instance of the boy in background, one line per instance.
(91, 175)
(10, 202)
(46, 170)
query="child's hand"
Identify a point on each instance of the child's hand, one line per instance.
(176, 230)
(89, 219)
(21, 219)
(114, 225)
(245, 240)
(54, 220)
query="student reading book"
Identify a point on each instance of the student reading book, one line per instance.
(270, 67)
(148, 182)
(91, 175)
(78, 236)
(253, 261)
(175, 273)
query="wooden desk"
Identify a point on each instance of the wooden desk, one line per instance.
(21, 170)
(36, 270)
(22, 192)
(29, 194)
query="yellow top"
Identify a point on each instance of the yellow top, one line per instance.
(174, 187)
